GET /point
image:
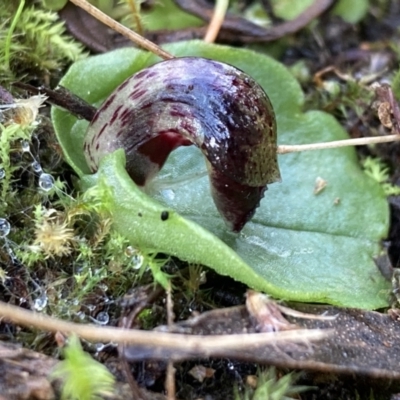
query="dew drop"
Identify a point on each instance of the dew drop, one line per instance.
(25, 146)
(36, 167)
(102, 318)
(129, 251)
(11, 253)
(5, 227)
(99, 347)
(2, 173)
(137, 261)
(168, 194)
(102, 287)
(81, 315)
(40, 303)
(46, 182)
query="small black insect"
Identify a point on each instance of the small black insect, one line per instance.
(164, 215)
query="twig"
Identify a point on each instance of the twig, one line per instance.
(170, 376)
(196, 344)
(284, 149)
(141, 303)
(63, 98)
(123, 30)
(221, 6)
(135, 389)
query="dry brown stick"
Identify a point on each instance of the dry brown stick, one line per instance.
(123, 30)
(170, 385)
(205, 345)
(127, 322)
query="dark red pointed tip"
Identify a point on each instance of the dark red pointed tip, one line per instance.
(236, 203)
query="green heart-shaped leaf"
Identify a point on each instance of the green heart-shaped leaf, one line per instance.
(299, 246)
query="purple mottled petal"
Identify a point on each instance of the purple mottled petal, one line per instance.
(193, 100)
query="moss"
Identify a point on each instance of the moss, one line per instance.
(33, 40)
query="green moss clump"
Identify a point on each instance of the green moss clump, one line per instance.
(33, 39)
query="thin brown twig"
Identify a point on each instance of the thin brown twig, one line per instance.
(170, 376)
(123, 30)
(127, 322)
(204, 345)
(135, 389)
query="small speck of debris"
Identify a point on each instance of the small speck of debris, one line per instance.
(320, 185)
(140, 214)
(336, 202)
(164, 215)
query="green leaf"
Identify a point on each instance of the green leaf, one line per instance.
(54, 5)
(289, 9)
(299, 246)
(167, 15)
(351, 11)
(138, 217)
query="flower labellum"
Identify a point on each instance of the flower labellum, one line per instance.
(192, 100)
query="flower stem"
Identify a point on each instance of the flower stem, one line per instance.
(284, 149)
(217, 19)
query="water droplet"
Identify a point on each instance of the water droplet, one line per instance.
(137, 261)
(129, 251)
(40, 303)
(79, 270)
(102, 318)
(168, 194)
(11, 253)
(91, 307)
(46, 182)
(2, 173)
(25, 146)
(81, 315)
(5, 227)
(36, 167)
(99, 346)
(103, 287)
